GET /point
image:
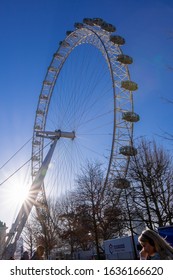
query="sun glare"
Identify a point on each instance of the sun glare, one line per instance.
(17, 194)
(14, 192)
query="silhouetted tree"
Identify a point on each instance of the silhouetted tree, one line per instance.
(152, 179)
(101, 205)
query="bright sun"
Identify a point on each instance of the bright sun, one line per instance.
(22, 194)
(13, 193)
(17, 193)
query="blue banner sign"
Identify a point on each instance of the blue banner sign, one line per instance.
(167, 233)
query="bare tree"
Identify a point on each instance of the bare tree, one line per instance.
(69, 222)
(100, 204)
(48, 232)
(29, 236)
(151, 174)
(42, 229)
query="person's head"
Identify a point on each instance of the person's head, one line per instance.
(40, 250)
(146, 240)
(153, 242)
(25, 256)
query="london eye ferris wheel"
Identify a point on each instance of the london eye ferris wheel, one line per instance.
(85, 113)
(87, 101)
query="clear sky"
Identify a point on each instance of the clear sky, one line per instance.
(30, 31)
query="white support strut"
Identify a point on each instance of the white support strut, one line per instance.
(18, 225)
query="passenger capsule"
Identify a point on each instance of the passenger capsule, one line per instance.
(118, 40)
(68, 32)
(130, 117)
(88, 21)
(125, 59)
(121, 183)
(78, 25)
(129, 85)
(108, 27)
(98, 21)
(128, 151)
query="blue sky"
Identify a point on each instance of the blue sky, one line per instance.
(30, 32)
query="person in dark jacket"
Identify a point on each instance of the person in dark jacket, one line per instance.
(38, 254)
(25, 256)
